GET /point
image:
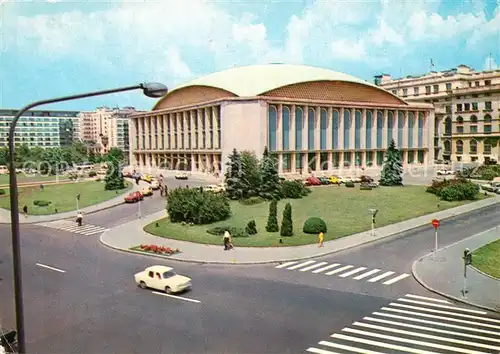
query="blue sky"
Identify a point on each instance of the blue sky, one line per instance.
(61, 47)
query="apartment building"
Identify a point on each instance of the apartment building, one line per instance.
(47, 129)
(106, 128)
(467, 110)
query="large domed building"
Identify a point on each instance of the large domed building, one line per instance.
(313, 119)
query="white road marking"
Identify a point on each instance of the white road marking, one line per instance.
(177, 297)
(367, 274)
(313, 266)
(419, 320)
(449, 307)
(380, 344)
(325, 268)
(351, 272)
(430, 329)
(412, 341)
(339, 270)
(51, 268)
(348, 347)
(427, 336)
(398, 278)
(300, 265)
(320, 351)
(283, 265)
(70, 226)
(381, 276)
(441, 317)
(427, 298)
(444, 312)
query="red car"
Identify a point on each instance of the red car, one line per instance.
(134, 197)
(313, 181)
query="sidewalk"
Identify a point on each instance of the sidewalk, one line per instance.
(32, 219)
(444, 273)
(131, 234)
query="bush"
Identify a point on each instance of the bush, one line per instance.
(2, 191)
(314, 225)
(92, 173)
(272, 219)
(462, 191)
(251, 228)
(437, 186)
(365, 187)
(42, 203)
(349, 184)
(234, 231)
(287, 222)
(252, 201)
(293, 189)
(194, 206)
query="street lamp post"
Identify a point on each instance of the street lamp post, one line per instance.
(154, 90)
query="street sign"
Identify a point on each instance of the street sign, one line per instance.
(435, 223)
(78, 196)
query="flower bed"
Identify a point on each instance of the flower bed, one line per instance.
(156, 249)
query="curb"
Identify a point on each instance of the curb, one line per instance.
(451, 297)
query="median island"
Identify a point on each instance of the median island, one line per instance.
(487, 259)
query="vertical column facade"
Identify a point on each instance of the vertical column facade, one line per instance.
(215, 115)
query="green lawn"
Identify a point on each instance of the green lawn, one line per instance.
(23, 178)
(62, 196)
(487, 259)
(345, 211)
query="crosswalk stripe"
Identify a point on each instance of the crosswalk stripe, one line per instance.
(427, 298)
(381, 276)
(339, 270)
(320, 351)
(412, 341)
(444, 312)
(443, 306)
(69, 226)
(313, 266)
(325, 268)
(300, 265)
(398, 278)
(428, 336)
(283, 265)
(419, 320)
(351, 272)
(348, 347)
(442, 318)
(367, 274)
(431, 329)
(380, 344)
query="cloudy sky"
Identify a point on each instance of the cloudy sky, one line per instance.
(61, 47)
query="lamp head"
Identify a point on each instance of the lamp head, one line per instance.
(154, 89)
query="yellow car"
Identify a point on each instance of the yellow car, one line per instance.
(147, 191)
(155, 184)
(147, 178)
(334, 180)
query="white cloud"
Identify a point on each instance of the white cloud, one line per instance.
(490, 64)
(347, 50)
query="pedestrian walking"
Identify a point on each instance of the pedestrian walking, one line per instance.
(321, 238)
(79, 219)
(226, 239)
(25, 210)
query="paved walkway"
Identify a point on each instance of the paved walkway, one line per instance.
(131, 234)
(443, 273)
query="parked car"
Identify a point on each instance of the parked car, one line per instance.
(334, 180)
(147, 191)
(313, 181)
(445, 172)
(155, 184)
(134, 197)
(366, 179)
(373, 184)
(162, 278)
(356, 179)
(324, 180)
(147, 178)
(182, 175)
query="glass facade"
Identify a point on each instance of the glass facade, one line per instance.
(310, 128)
(335, 130)
(368, 132)
(299, 124)
(411, 124)
(357, 130)
(380, 129)
(323, 128)
(401, 125)
(390, 126)
(347, 128)
(272, 120)
(286, 128)
(420, 130)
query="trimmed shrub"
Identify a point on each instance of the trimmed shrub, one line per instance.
(92, 173)
(437, 186)
(2, 192)
(287, 222)
(349, 184)
(252, 201)
(191, 205)
(251, 228)
(293, 189)
(234, 231)
(42, 203)
(462, 191)
(272, 219)
(365, 187)
(314, 225)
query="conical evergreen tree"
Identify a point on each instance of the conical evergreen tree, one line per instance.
(270, 181)
(392, 171)
(272, 219)
(114, 177)
(287, 222)
(234, 187)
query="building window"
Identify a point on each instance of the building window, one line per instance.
(368, 130)
(298, 161)
(460, 120)
(369, 158)
(347, 159)
(487, 118)
(357, 130)
(347, 128)
(487, 148)
(405, 92)
(401, 125)
(459, 107)
(473, 128)
(460, 130)
(473, 146)
(311, 161)
(323, 126)
(447, 109)
(487, 106)
(427, 90)
(323, 161)
(390, 126)
(436, 88)
(448, 86)
(299, 123)
(335, 130)
(310, 129)
(380, 158)
(394, 92)
(487, 82)
(287, 162)
(272, 117)
(286, 128)
(473, 119)
(411, 124)
(421, 121)
(380, 128)
(447, 147)
(487, 129)
(415, 91)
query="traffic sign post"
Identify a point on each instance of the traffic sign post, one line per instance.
(78, 202)
(374, 214)
(467, 261)
(435, 223)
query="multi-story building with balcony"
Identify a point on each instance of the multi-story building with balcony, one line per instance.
(467, 109)
(106, 128)
(310, 118)
(46, 129)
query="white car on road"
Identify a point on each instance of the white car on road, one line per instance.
(445, 173)
(162, 278)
